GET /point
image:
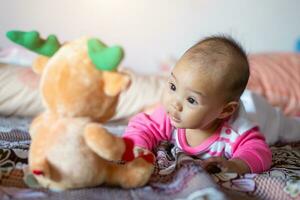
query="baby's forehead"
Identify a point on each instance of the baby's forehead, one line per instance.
(208, 58)
(194, 79)
(208, 65)
(212, 73)
(195, 73)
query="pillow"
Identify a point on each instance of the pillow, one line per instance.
(17, 55)
(143, 95)
(19, 91)
(20, 94)
(276, 76)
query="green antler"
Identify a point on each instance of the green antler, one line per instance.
(32, 40)
(103, 57)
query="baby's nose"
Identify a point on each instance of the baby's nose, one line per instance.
(177, 106)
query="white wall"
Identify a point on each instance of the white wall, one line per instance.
(153, 30)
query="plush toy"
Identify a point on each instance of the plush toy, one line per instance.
(79, 87)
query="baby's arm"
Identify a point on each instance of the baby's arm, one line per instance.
(147, 130)
(250, 153)
(252, 149)
(218, 164)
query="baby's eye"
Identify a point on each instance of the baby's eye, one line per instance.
(192, 101)
(172, 87)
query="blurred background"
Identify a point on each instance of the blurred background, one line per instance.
(158, 31)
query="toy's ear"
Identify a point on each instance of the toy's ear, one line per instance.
(39, 63)
(115, 82)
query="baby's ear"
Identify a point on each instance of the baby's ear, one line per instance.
(115, 82)
(39, 64)
(229, 109)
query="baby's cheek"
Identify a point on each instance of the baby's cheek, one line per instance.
(194, 119)
(166, 99)
(191, 120)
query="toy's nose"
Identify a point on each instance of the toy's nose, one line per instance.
(37, 172)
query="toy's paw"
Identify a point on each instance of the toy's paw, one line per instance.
(139, 172)
(150, 158)
(38, 172)
(40, 168)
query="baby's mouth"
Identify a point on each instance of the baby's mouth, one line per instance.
(175, 119)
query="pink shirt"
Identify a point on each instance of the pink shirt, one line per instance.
(237, 137)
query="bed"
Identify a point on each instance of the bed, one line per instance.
(176, 176)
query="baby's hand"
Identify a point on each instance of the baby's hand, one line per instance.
(138, 151)
(219, 164)
(145, 153)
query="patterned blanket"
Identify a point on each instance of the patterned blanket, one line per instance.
(177, 176)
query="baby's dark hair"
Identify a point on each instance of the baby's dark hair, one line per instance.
(224, 54)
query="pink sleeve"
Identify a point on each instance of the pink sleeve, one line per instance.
(252, 149)
(147, 130)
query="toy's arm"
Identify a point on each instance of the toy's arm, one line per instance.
(107, 145)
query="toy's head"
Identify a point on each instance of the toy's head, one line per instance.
(78, 78)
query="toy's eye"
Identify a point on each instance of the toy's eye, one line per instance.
(172, 87)
(192, 101)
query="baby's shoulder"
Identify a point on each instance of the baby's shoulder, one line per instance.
(240, 122)
(236, 126)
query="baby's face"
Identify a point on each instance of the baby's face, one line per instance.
(192, 97)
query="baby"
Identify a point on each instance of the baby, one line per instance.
(202, 113)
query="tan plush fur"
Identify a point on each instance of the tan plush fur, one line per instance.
(70, 148)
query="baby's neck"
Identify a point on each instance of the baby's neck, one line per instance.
(196, 137)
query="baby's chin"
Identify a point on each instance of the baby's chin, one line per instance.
(177, 124)
(182, 125)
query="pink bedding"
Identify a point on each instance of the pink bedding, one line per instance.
(276, 76)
